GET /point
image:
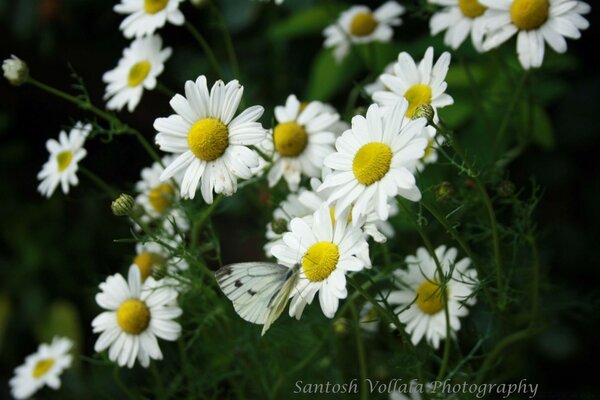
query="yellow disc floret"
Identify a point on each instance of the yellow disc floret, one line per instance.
(371, 162)
(417, 95)
(429, 298)
(42, 367)
(161, 197)
(64, 159)
(529, 14)
(133, 316)
(154, 6)
(363, 24)
(208, 139)
(471, 8)
(320, 260)
(138, 73)
(290, 139)
(146, 262)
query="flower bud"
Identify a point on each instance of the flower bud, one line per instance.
(279, 226)
(15, 70)
(424, 111)
(123, 205)
(444, 191)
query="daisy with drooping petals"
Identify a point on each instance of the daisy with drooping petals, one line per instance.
(326, 250)
(62, 164)
(418, 84)
(301, 139)
(137, 313)
(535, 21)
(373, 161)
(426, 317)
(41, 368)
(146, 16)
(211, 144)
(359, 25)
(141, 64)
(458, 18)
(288, 209)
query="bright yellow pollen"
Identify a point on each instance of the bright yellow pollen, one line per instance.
(64, 159)
(161, 197)
(146, 262)
(417, 95)
(471, 8)
(363, 24)
(154, 6)
(372, 162)
(529, 14)
(42, 367)
(429, 298)
(138, 73)
(320, 260)
(133, 316)
(290, 139)
(208, 139)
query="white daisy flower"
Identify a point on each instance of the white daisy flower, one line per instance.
(210, 143)
(535, 21)
(458, 18)
(137, 313)
(426, 317)
(422, 84)
(65, 155)
(378, 85)
(146, 16)
(301, 139)
(431, 151)
(359, 25)
(155, 196)
(374, 160)
(15, 70)
(369, 318)
(41, 368)
(141, 64)
(153, 259)
(326, 250)
(288, 209)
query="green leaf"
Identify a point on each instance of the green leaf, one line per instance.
(327, 76)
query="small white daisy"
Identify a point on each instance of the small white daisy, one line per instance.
(374, 160)
(15, 70)
(426, 317)
(41, 368)
(288, 209)
(155, 196)
(326, 250)
(301, 140)
(418, 84)
(359, 24)
(65, 155)
(211, 144)
(146, 16)
(141, 64)
(458, 18)
(137, 314)
(535, 21)
(153, 259)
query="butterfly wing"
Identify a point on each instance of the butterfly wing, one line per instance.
(280, 299)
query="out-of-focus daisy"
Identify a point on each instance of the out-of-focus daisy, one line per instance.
(153, 259)
(137, 313)
(146, 16)
(141, 64)
(458, 18)
(155, 196)
(418, 84)
(359, 24)
(287, 210)
(15, 70)
(326, 250)
(42, 368)
(369, 318)
(425, 317)
(301, 139)
(62, 164)
(211, 144)
(535, 21)
(431, 151)
(373, 161)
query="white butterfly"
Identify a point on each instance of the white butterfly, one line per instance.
(259, 291)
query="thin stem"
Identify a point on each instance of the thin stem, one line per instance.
(212, 59)
(110, 192)
(159, 383)
(535, 284)
(478, 99)
(161, 87)
(147, 146)
(508, 115)
(360, 350)
(233, 60)
(197, 228)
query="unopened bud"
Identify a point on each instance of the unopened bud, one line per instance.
(15, 70)
(424, 111)
(444, 191)
(340, 326)
(279, 226)
(123, 205)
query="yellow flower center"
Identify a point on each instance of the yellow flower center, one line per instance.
(138, 73)
(372, 162)
(320, 260)
(42, 366)
(417, 95)
(429, 298)
(471, 8)
(290, 139)
(133, 316)
(154, 6)
(208, 139)
(146, 262)
(529, 14)
(363, 24)
(161, 197)
(63, 159)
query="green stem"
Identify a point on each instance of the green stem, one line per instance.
(164, 89)
(147, 146)
(360, 350)
(477, 98)
(122, 385)
(110, 192)
(161, 394)
(197, 228)
(535, 284)
(231, 54)
(212, 59)
(508, 115)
